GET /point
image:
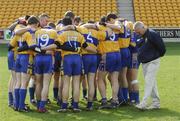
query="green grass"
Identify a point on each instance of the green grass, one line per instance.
(168, 85)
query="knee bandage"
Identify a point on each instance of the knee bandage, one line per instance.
(134, 82)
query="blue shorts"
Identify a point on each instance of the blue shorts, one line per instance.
(72, 65)
(43, 64)
(134, 61)
(22, 62)
(111, 63)
(11, 61)
(125, 57)
(57, 61)
(89, 63)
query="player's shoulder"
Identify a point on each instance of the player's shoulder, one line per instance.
(38, 30)
(92, 30)
(81, 29)
(19, 26)
(101, 27)
(53, 31)
(29, 33)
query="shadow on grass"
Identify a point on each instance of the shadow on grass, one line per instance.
(122, 113)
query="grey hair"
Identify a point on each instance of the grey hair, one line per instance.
(43, 15)
(138, 24)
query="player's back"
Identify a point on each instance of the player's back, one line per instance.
(91, 37)
(45, 37)
(71, 39)
(110, 44)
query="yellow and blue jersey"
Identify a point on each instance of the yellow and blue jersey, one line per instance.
(45, 37)
(29, 39)
(13, 53)
(14, 42)
(92, 37)
(15, 38)
(44, 63)
(71, 39)
(124, 38)
(109, 44)
(25, 40)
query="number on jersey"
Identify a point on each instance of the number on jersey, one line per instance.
(89, 37)
(72, 40)
(112, 37)
(43, 40)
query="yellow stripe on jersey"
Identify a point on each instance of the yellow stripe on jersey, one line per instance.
(72, 39)
(110, 44)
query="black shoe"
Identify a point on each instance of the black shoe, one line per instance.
(122, 103)
(48, 101)
(33, 101)
(104, 105)
(15, 109)
(114, 104)
(11, 105)
(25, 109)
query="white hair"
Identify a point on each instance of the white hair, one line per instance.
(138, 24)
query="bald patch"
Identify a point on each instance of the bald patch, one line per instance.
(138, 25)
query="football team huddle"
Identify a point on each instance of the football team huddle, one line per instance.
(95, 55)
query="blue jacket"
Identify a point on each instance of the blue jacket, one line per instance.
(150, 47)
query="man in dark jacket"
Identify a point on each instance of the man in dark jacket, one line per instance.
(150, 49)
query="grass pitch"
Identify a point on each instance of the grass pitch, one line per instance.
(168, 85)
